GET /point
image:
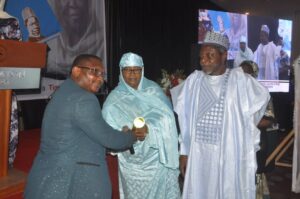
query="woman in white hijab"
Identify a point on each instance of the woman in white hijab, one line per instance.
(152, 171)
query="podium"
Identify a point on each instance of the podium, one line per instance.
(14, 55)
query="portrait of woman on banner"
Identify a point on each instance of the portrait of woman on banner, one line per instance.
(83, 31)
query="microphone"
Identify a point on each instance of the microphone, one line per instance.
(131, 150)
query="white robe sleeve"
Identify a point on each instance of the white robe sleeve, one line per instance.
(182, 98)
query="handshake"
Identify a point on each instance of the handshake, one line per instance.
(140, 129)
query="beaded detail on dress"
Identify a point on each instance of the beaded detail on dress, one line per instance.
(209, 122)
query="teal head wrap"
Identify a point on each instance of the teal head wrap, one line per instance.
(131, 59)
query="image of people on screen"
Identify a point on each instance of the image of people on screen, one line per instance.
(244, 53)
(232, 25)
(266, 56)
(265, 40)
(285, 31)
(83, 31)
(205, 24)
(283, 61)
(237, 29)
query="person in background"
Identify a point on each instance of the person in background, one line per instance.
(218, 111)
(266, 125)
(32, 24)
(153, 170)
(266, 56)
(244, 53)
(71, 159)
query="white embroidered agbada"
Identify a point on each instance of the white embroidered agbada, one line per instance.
(218, 117)
(265, 56)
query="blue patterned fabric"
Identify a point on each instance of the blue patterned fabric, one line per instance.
(131, 59)
(152, 172)
(10, 29)
(14, 131)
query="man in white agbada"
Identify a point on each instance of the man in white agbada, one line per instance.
(218, 110)
(245, 53)
(266, 55)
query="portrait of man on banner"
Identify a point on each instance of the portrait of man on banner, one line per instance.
(83, 31)
(36, 18)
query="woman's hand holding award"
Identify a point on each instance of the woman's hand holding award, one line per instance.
(140, 128)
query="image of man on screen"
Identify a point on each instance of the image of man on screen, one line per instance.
(244, 53)
(83, 31)
(266, 56)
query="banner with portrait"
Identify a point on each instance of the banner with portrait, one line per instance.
(83, 31)
(36, 19)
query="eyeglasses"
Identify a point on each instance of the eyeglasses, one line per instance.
(135, 71)
(93, 71)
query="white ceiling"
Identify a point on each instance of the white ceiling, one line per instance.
(284, 9)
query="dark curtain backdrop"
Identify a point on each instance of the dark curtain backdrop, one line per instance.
(163, 32)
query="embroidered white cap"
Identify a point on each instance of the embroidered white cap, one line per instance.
(265, 28)
(243, 39)
(215, 38)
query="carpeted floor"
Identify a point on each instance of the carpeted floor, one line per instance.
(279, 179)
(279, 182)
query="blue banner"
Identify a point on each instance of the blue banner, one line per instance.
(37, 20)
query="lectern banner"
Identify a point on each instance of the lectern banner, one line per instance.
(19, 78)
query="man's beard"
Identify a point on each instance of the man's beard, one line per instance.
(213, 67)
